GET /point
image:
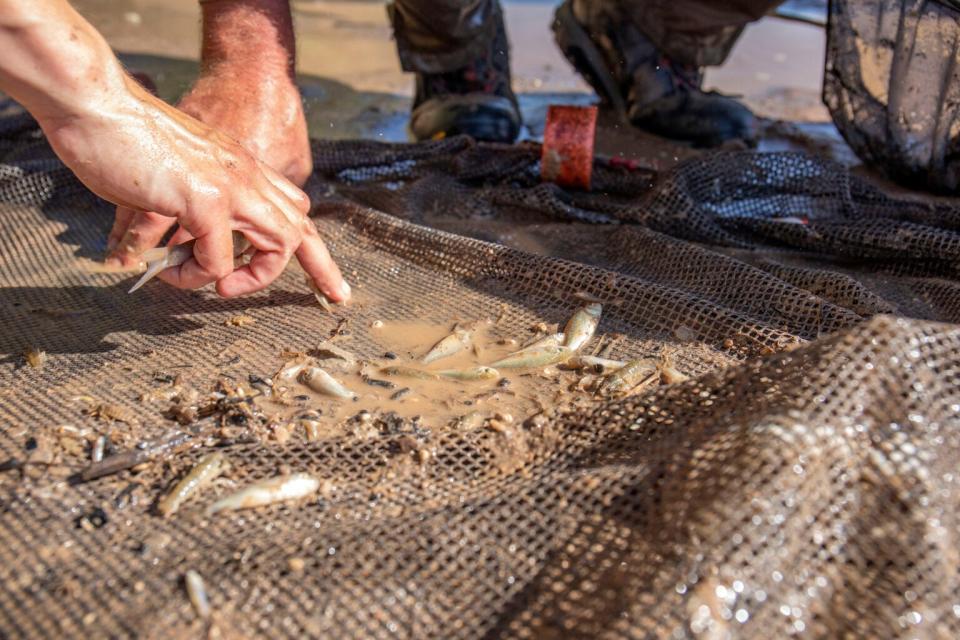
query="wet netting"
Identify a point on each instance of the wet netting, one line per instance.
(802, 480)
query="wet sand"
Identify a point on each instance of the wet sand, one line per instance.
(353, 85)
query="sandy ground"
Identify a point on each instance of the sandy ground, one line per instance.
(353, 85)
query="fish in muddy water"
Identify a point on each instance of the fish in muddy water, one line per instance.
(594, 363)
(165, 257)
(409, 372)
(265, 492)
(634, 373)
(582, 325)
(475, 373)
(533, 358)
(551, 340)
(209, 468)
(453, 344)
(316, 379)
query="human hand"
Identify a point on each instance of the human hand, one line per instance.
(261, 112)
(144, 155)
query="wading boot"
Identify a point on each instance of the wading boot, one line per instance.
(648, 89)
(476, 100)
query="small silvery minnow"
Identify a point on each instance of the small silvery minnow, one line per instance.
(454, 343)
(165, 257)
(581, 325)
(203, 473)
(269, 491)
(550, 340)
(197, 593)
(409, 372)
(632, 374)
(316, 379)
(534, 358)
(475, 373)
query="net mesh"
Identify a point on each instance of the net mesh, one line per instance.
(803, 481)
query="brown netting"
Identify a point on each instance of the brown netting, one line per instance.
(804, 481)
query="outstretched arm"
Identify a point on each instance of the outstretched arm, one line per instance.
(246, 90)
(134, 150)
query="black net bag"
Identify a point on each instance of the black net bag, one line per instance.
(892, 86)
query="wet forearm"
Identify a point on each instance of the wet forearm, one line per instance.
(54, 62)
(254, 38)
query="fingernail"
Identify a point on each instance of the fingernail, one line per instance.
(345, 290)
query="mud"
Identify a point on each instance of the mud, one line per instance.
(432, 402)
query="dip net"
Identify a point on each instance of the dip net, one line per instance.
(804, 480)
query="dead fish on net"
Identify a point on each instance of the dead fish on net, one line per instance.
(454, 343)
(595, 363)
(321, 297)
(264, 492)
(409, 372)
(551, 340)
(197, 593)
(175, 442)
(582, 325)
(316, 379)
(635, 373)
(533, 358)
(108, 412)
(165, 257)
(669, 374)
(474, 373)
(203, 473)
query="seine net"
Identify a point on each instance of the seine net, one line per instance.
(803, 481)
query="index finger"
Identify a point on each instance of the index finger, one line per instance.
(319, 265)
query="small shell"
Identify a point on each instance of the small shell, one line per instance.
(197, 592)
(239, 321)
(108, 412)
(311, 429)
(99, 447)
(269, 491)
(35, 358)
